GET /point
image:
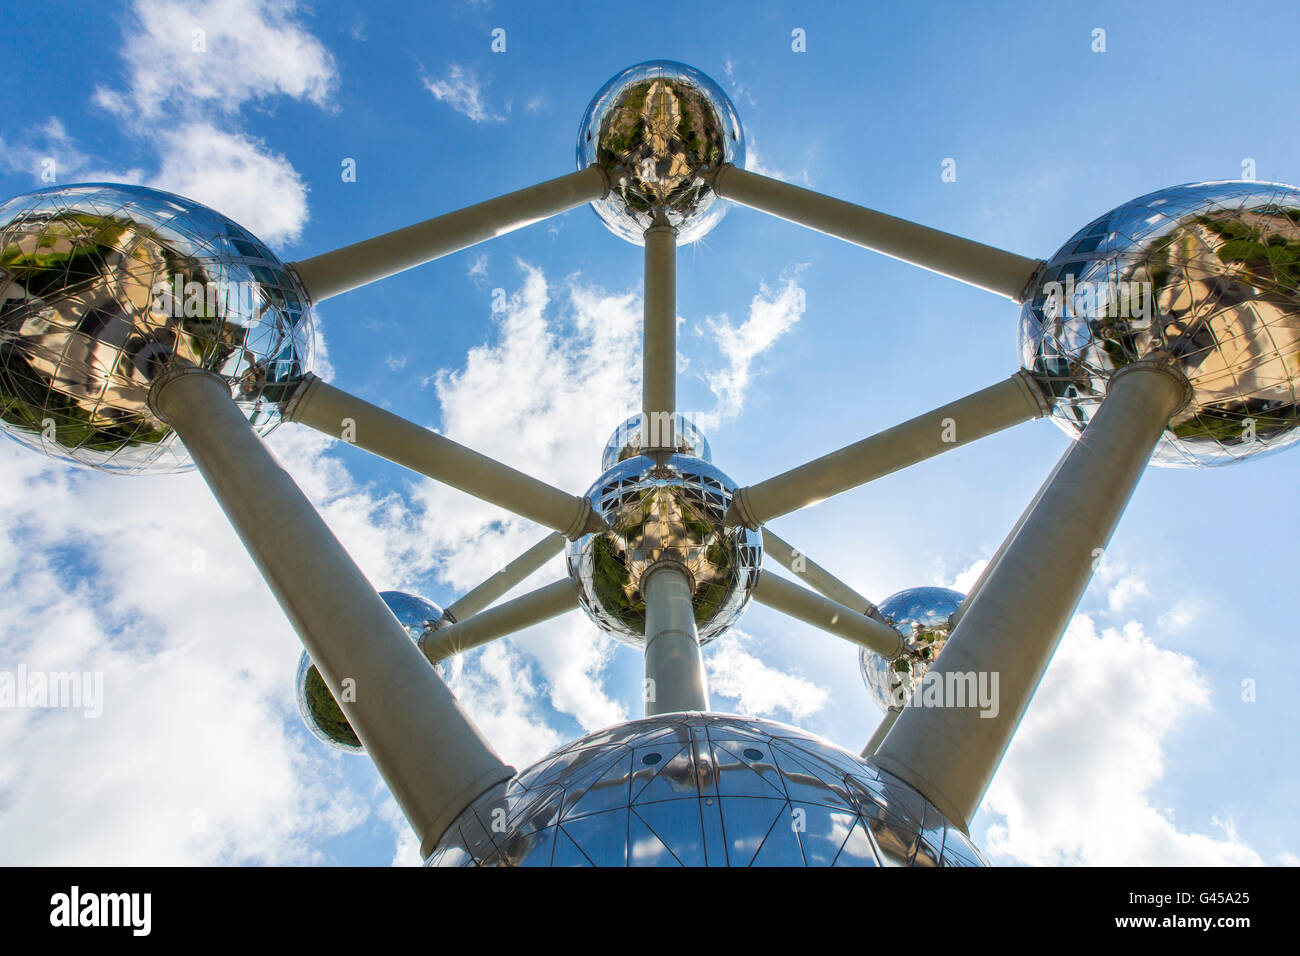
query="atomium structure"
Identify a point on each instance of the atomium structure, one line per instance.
(142, 333)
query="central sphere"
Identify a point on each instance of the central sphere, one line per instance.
(673, 511)
(703, 790)
(103, 286)
(1204, 278)
(921, 615)
(654, 128)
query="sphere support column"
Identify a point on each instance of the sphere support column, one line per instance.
(1007, 635)
(428, 751)
(674, 667)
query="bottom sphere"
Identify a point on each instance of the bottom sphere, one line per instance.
(703, 790)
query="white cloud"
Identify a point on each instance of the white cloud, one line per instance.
(461, 90)
(757, 688)
(236, 175)
(216, 56)
(772, 312)
(1076, 783)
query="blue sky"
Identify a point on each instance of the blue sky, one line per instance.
(1138, 749)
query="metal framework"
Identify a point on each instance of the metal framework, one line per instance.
(427, 749)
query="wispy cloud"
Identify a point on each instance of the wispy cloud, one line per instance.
(461, 89)
(758, 688)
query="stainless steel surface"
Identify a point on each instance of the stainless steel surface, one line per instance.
(424, 745)
(703, 790)
(316, 704)
(1203, 277)
(1011, 629)
(988, 267)
(340, 270)
(674, 512)
(655, 128)
(674, 669)
(812, 608)
(101, 287)
(638, 434)
(921, 616)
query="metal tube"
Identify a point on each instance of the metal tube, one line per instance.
(817, 577)
(1000, 406)
(472, 602)
(336, 413)
(964, 259)
(831, 616)
(341, 270)
(1002, 548)
(882, 730)
(1011, 630)
(428, 751)
(499, 621)
(674, 667)
(659, 344)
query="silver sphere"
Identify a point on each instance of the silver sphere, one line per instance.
(674, 512)
(703, 790)
(655, 128)
(316, 704)
(1203, 277)
(921, 616)
(628, 439)
(101, 286)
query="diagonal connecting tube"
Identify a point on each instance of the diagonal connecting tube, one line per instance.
(817, 577)
(341, 270)
(831, 616)
(500, 621)
(474, 601)
(1008, 634)
(982, 413)
(336, 413)
(428, 751)
(973, 262)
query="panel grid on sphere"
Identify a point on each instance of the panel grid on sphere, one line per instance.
(703, 790)
(102, 286)
(1205, 278)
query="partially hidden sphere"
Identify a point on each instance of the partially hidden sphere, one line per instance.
(104, 286)
(316, 704)
(673, 430)
(1203, 277)
(921, 616)
(703, 790)
(674, 511)
(654, 128)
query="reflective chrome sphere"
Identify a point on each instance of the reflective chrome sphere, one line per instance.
(921, 616)
(672, 512)
(703, 790)
(321, 712)
(1204, 277)
(628, 439)
(654, 128)
(101, 286)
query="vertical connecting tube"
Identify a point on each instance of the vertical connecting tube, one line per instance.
(674, 667)
(659, 347)
(1014, 623)
(428, 751)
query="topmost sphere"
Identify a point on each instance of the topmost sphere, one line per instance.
(101, 287)
(655, 127)
(1203, 277)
